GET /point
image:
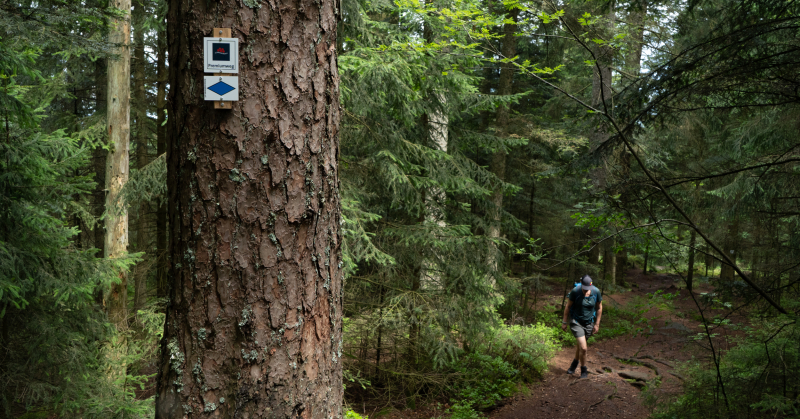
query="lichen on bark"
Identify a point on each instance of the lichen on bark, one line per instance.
(255, 306)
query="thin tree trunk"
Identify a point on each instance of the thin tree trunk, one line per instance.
(731, 246)
(437, 123)
(646, 257)
(525, 293)
(636, 22)
(498, 160)
(594, 254)
(621, 266)
(161, 148)
(601, 97)
(254, 322)
(99, 156)
(118, 121)
(690, 274)
(529, 265)
(601, 80)
(380, 335)
(609, 262)
(140, 112)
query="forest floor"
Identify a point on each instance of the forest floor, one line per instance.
(664, 341)
(606, 394)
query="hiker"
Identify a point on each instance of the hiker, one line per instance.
(582, 314)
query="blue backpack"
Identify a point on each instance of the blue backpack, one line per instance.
(594, 308)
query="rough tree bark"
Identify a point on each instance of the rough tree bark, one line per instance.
(142, 158)
(118, 121)
(254, 323)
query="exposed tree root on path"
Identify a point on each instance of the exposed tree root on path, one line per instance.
(640, 362)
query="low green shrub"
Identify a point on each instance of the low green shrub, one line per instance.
(353, 415)
(485, 380)
(525, 348)
(493, 369)
(462, 411)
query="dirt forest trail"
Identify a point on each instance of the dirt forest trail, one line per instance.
(606, 393)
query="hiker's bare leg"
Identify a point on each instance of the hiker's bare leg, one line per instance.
(581, 350)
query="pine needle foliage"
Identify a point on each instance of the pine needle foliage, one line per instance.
(420, 286)
(52, 330)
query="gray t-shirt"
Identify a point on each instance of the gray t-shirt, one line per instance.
(583, 308)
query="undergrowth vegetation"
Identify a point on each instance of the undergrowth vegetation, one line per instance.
(757, 378)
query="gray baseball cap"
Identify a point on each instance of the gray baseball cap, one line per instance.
(586, 283)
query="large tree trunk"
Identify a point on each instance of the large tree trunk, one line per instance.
(118, 121)
(140, 112)
(161, 148)
(498, 160)
(254, 323)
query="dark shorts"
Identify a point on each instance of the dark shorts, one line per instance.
(579, 330)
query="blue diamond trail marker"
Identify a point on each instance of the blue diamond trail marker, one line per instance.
(221, 88)
(221, 57)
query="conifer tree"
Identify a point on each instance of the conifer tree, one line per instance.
(117, 161)
(139, 111)
(254, 322)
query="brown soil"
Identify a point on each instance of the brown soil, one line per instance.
(606, 394)
(668, 341)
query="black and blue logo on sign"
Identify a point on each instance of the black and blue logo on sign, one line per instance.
(221, 51)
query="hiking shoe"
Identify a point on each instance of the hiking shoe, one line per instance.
(572, 367)
(584, 372)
